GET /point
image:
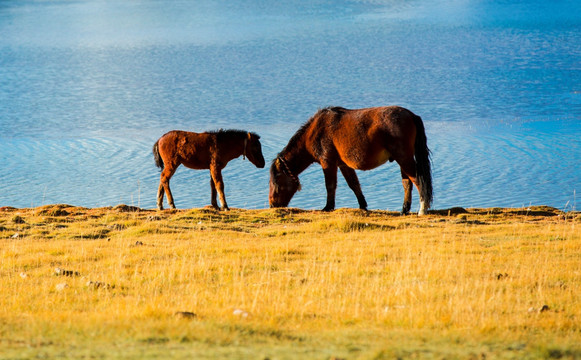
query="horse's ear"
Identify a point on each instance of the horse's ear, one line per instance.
(252, 135)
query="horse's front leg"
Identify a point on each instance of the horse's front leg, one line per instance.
(216, 173)
(353, 182)
(330, 172)
(213, 195)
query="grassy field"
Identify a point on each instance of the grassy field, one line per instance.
(126, 283)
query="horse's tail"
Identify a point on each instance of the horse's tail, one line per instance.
(156, 156)
(423, 165)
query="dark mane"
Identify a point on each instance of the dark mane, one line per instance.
(301, 131)
(221, 133)
(335, 109)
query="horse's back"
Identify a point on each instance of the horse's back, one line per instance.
(367, 138)
(185, 147)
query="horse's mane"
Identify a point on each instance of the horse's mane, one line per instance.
(301, 131)
(221, 133)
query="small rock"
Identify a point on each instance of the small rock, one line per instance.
(126, 208)
(17, 219)
(138, 243)
(117, 227)
(63, 272)
(241, 313)
(99, 285)
(15, 236)
(544, 308)
(23, 275)
(501, 276)
(561, 284)
(61, 286)
(185, 315)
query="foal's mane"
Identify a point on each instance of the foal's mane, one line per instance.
(231, 133)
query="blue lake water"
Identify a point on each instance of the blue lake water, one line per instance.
(87, 87)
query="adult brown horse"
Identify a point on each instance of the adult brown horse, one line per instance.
(209, 150)
(355, 139)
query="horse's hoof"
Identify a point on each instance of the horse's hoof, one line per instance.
(421, 212)
(327, 209)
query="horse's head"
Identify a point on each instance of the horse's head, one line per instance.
(253, 150)
(283, 184)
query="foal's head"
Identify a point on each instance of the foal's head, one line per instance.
(253, 149)
(283, 184)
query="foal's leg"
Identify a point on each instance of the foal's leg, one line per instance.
(213, 200)
(219, 185)
(408, 168)
(166, 174)
(331, 184)
(407, 193)
(353, 182)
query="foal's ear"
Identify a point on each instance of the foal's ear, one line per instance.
(252, 135)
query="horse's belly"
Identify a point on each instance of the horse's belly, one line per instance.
(196, 165)
(368, 162)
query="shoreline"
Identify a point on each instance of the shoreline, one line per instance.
(534, 210)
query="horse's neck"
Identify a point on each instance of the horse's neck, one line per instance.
(298, 160)
(229, 152)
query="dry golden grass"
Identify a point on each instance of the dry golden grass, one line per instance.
(278, 284)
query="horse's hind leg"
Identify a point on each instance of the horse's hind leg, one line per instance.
(160, 196)
(166, 174)
(408, 171)
(353, 182)
(219, 184)
(407, 194)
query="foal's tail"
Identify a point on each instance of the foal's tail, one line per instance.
(423, 166)
(156, 156)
